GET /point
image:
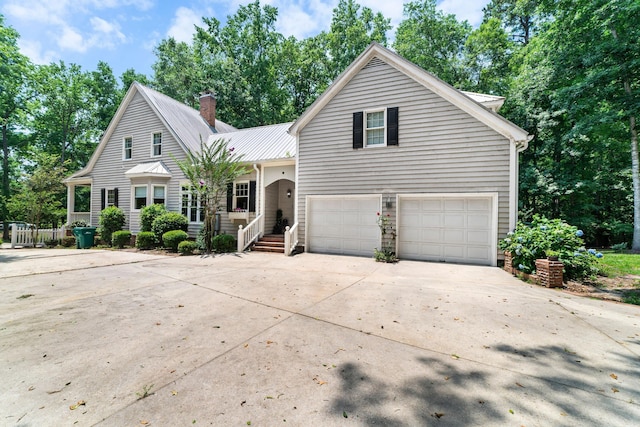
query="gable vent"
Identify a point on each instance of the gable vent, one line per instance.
(375, 62)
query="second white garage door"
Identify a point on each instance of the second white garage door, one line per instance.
(343, 225)
(450, 228)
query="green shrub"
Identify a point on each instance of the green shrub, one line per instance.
(187, 247)
(223, 243)
(78, 223)
(149, 213)
(545, 237)
(51, 243)
(111, 220)
(68, 241)
(171, 239)
(146, 240)
(121, 238)
(167, 222)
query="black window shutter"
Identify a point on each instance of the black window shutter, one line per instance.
(252, 196)
(392, 126)
(357, 130)
(103, 198)
(230, 197)
(115, 197)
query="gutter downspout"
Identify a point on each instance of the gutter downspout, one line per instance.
(259, 200)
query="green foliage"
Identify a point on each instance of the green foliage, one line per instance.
(112, 219)
(434, 40)
(149, 213)
(187, 247)
(145, 240)
(121, 238)
(385, 255)
(224, 243)
(545, 237)
(68, 241)
(631, 297)
(167, 222)
(51, 243)
(209, 171)
(620, 264)
(171, 239)
(39, 199)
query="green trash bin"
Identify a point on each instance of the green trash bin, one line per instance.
(84, 237)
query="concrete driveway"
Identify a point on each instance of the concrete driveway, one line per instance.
(125, 339)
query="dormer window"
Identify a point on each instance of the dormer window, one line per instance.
(156, 145)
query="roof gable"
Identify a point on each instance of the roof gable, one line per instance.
(471, 103)
(185, 124)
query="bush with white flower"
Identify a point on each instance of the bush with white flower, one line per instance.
(551, 237)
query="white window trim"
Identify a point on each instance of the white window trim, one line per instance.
(124, 149)
(199, 219)
(152, 193)
(384, 127)
(153, 146)
(133, 196)
(248, 196)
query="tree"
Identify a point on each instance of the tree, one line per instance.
(64, 116)
(14, 82)
(209, 171)
(243, 65)
(176, 72)
(128, 77)
(40, 199)
(594, 44)
(435, 41)
(522, 18)
(352, 30)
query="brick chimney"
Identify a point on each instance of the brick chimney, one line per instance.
(208, 107)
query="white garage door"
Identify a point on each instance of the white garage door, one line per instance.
(343, 225)
(448, 228)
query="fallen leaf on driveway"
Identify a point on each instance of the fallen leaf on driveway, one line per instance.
(614, 376)
(438, 415)
(320, 382)
(615, 390)
(174, 392)
(144, 422)
(519, 385)
(77, 405)
(455, 356)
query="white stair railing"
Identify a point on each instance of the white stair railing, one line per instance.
(290, 239)
(249, 234)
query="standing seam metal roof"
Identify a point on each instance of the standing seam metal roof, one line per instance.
(186, 122)
(262, 143)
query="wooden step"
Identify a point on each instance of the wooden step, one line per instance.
(270, 243)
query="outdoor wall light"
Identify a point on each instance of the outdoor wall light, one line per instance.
(289, 193)
(388, 203)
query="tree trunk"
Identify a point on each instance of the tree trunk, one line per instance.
(5, 182)
(635, 176)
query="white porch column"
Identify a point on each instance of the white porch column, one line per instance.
(71, 200)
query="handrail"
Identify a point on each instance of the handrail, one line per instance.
(249, 234)
(290, 239)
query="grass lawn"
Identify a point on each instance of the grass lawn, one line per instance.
(616, 264)
(623, 266)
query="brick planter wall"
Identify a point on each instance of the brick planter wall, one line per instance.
(548, 273)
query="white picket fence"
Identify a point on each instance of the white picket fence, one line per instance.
(24, 236)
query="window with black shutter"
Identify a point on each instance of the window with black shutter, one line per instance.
(375, 128)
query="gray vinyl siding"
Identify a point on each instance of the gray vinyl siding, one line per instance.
(139, 121)
(441, 148)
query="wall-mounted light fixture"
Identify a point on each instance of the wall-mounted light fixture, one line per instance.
(388, 203)
(289, 193)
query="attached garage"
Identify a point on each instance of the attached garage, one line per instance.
(457, 228)
(344, 225)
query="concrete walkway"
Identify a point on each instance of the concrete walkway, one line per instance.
(123, 339)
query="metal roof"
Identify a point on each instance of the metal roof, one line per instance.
(262, 143)
(149, 168)
(185, 122)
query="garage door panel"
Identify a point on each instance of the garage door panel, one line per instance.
(454, 220)
(478, 221)
(454, 236)
(454, 204)
(343, 225)
(447, 228)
